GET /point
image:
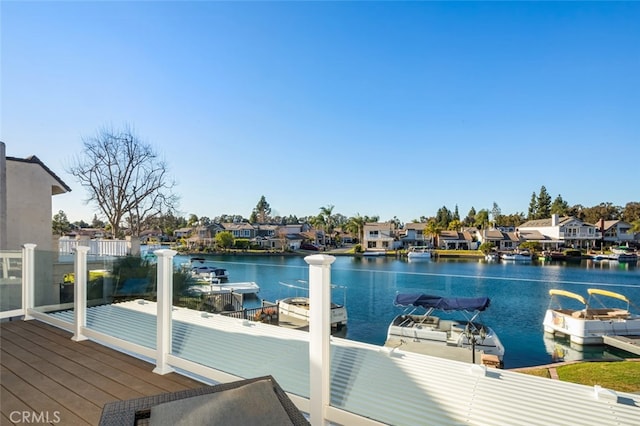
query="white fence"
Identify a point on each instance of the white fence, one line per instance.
(96, 247)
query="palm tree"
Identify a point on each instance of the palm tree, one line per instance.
(355, 225)
(327, 215)
(433, 230)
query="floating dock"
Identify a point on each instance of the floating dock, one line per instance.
(626, 343)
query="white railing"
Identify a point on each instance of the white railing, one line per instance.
(96, 247)
(318, 403)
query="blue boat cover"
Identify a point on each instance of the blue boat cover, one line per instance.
(443, 303)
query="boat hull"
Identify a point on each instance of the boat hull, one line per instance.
(590, 331)
(435, 331)
(298, 307)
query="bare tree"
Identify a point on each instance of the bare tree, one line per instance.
(124, 177)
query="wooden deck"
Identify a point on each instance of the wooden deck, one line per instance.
(49, 378)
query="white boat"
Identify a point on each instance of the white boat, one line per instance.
(516, 256)
(205, 288)
(492, 257)
(441, 336)
(588, 324)
(372, 253)
(201, 270)
(210, 273)
(419, 252)
(297, 307)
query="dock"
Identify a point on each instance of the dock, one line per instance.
(626, 343)
(441, 351)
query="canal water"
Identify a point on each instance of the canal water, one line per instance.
(519, 294)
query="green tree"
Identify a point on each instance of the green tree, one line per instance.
(631, 212)
(481, 219)
(224, 239)
(543, 204)
(433, 230)
(193, 220)
(471, 217)
(533, 207)
(60, 223)
(486, 247)
(261, 213)
(495, 213)
(559, 206)
(443, 217)
(327, 217)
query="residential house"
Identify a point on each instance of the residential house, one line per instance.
(240, 229)
(615, 232)
(379, 236)
(414, 235)
(456, 240)
(566, 231)
(182, 233)
(26, 187)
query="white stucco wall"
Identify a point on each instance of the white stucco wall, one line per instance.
(29, 190)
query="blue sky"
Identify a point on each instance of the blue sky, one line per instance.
(377, 108)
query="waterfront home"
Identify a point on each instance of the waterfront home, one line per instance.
(413, 235)
(455, 240)
(615, 232)
(379, 236)
(566, 231)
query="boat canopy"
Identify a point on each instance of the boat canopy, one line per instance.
(592, 291)
(565, 293)
(443, 303)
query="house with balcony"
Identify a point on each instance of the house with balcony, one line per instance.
(379, 236)
(616, 233)
(413, 234)
(566, 231)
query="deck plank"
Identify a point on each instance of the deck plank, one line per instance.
(44, 371)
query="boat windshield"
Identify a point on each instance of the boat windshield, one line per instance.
(442, 303)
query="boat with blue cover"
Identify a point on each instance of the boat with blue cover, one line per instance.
(424, 321)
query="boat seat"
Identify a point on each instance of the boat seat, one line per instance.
(433, 321)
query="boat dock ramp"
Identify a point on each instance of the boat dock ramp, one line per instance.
(629, 344)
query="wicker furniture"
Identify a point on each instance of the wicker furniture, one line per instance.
(138, 411)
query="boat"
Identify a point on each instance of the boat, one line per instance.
(419, 329)
(373, 253)
(200, 270)
(587, 324)
(419, 252)
(566, 255)
(625, 257)
(492, 256)
(209, 288)
(210, 273)
(297, 307)
(544, 256)
(519, 256)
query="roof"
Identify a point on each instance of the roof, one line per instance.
(35, 160)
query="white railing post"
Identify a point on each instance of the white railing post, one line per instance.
(28, 279)
(319, 335)
(164, 306)
(80, 293)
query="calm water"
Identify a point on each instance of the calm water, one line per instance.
(518, 292)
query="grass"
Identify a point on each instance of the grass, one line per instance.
(622, 376)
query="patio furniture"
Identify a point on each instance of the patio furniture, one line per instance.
(252, 401)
